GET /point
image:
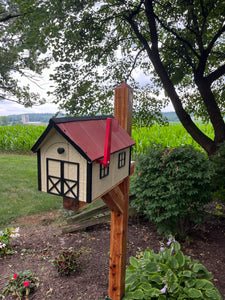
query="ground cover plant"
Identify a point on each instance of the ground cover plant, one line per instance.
(168, 274)
(21, 284)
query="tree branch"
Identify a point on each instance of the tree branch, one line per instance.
(177, 36)
(134, 63)
(10, 16)
(216, 74)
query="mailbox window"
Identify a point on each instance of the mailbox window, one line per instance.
(121, 159)
(104, 171)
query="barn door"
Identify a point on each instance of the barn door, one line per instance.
(63, 178)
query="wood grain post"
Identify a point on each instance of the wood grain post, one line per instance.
(119, 216)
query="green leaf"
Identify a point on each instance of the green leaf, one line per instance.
(131, 279)
(187, 274)
(204, 284)
(194, 293)
(146, 287)
(156, 278)
(174, 263)
(180, 258)
(147, 254)
(134, 261)
(151, 267)
(138, 294)
(213, 294)
(200, 269)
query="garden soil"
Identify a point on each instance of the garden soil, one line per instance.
(41, 239)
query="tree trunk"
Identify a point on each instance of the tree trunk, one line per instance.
(203, 140)
(212, 109)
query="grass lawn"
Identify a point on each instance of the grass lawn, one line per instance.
(19, 193)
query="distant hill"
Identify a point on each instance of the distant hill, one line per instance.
(45, 117)
(42, 117)
(171, 116)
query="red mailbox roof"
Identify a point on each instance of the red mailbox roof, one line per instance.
(87, 135)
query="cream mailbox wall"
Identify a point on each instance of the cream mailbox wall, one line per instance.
(69, 154)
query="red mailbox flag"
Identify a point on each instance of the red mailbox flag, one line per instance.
(111, 124)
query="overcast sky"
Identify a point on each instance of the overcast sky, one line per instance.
(11, 108)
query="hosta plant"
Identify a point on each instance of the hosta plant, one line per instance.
(21, 284)
(5, 236)
(67, 262)
(168, 274)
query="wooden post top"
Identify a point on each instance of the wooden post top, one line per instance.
(123, 106)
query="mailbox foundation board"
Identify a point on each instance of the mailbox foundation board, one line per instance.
(70, 152)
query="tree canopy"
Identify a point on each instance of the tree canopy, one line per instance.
(178, 44)
(20, 56)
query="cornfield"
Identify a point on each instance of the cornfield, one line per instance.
(20, 138)
(172, 135)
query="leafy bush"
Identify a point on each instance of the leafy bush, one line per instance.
(172, 185)
(21, 284)
(219, 165)
(168, 275)
(67, 262)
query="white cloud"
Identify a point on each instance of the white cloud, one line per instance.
(11, 108)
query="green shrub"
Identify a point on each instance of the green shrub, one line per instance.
(219, 179)
(168, 275)
(172, 185)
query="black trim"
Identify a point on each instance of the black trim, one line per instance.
(59, 183)
(104, 171)
(89, 183)
(121, 159)
(39, 168)
(129, 161)
(78, 119)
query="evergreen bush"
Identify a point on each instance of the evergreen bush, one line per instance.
(172, 185)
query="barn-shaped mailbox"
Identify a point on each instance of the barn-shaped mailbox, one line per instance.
(73, 156)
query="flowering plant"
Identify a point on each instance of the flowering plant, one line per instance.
(21, 284)
(5, 236)
(168, 274)
(67, 262)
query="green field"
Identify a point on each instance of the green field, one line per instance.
(19, 193)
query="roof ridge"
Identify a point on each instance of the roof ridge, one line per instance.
(78, 119)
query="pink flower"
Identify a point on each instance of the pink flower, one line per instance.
(26, 283)
(15, 275)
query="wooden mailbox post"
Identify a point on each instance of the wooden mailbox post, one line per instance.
(118, 201)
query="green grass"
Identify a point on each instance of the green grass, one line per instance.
(19, 195)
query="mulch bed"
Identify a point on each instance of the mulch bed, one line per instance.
(40, 243)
